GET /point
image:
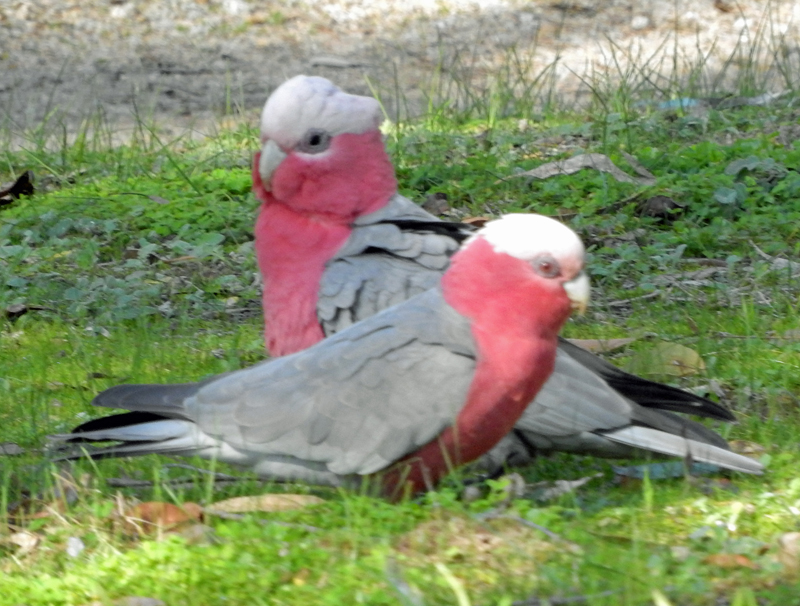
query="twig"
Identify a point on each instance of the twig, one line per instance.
(623, 302)
(726, 335)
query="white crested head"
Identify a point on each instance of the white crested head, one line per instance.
(527, 236)
(311, 102)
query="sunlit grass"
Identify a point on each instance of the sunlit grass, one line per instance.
(141, 257)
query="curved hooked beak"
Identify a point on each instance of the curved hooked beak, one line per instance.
(578, 290)
(271, 157)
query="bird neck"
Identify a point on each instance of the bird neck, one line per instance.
(292, 250)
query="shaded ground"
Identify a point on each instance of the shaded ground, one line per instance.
(186, 61)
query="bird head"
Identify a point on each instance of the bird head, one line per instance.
(518, 266)
(322, 152)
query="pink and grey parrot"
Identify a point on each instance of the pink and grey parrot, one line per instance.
(410, 392)
(336, 243)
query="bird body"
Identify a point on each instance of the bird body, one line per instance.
(411, 392)
(362, 247)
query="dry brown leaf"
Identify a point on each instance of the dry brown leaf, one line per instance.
(637, 166)
(153, 515)
(265, 502)
(665, 358)
(572, 165)
(601, 345)
(730, 560)
(476, 221)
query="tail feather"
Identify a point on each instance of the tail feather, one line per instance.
(95, 427)
(646, 438)
(136, 434)
(647, 393)
(163, 400)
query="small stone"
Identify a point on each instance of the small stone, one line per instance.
(741, 24)
(235, 7)
(74, 547)
(640, 22)
(471, 493)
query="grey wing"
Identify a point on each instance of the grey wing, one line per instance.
(357, 287)
(380, 265)
(355, 402)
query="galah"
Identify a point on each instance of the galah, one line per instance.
(410, 392)
(336, 243)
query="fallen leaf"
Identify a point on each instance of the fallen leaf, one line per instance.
(26, 541)
(9, 449)
(265, 503)
(789, 551)
(730, 560)
(665, 358)
(152, 515)
(637, 166)
(601, 345)
(572, 165)
(476, 221)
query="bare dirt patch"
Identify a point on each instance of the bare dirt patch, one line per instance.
(186, 62)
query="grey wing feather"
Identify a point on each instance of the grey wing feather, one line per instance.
(381, 265)
(356, 413)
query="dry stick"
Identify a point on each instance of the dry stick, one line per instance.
(623, 302)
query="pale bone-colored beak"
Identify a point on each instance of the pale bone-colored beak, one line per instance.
(578, 290)
(271, 157)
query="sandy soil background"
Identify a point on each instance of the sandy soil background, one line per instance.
(186, 62)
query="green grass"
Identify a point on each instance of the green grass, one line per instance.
(140, 258)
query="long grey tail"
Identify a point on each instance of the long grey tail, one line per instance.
(157, 423)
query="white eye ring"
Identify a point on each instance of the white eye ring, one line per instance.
(546, 266)
(315, 141)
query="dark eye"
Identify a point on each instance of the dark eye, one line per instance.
(314, 141)
(546, 266)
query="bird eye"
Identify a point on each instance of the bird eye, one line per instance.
(546, 266)
(314, 141)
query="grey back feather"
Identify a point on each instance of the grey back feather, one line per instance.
(381, 265)
(357, 401)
